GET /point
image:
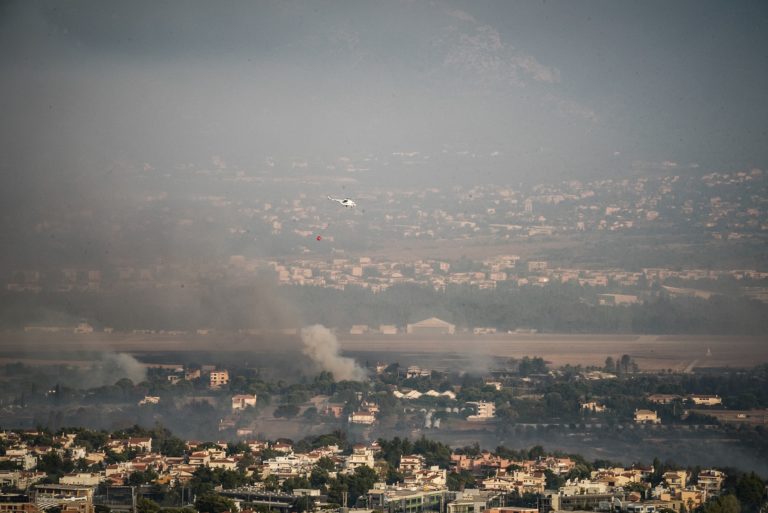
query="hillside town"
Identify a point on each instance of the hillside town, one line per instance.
(626, 408)
(364, 256)
(677, 234)
(715, 206)
(81, 471)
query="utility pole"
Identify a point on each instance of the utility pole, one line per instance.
(133, 499)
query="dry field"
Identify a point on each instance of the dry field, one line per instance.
(676, 352)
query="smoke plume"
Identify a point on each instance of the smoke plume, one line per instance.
(322, 346)
(110, 368)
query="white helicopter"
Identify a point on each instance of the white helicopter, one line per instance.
(346, 202)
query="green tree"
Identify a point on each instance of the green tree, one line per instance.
(750, 491)
(172, 446)
(553, 481)
(214, 503)
(294, 482)
(458, 481)
(319, 477)
(625, 363)
(271, 483)
(393, 476)
(361, 481)
(723, 504)
(286, 410)
(326, 463)
(144, 505)
(246, 461)
(53, 465)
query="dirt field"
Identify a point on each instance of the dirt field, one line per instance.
(676, 352)
(650, 352)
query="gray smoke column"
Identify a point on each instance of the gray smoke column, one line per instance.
(113, 367)
(322, 346)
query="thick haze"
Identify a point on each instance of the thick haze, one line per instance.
(554, 87)
(100, 100)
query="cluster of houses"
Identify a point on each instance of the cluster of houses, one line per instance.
(366, 413)
(643, 416)
(423, 487)
(479, 212)
(630, 490)
(378, 275)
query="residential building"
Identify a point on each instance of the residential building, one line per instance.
(664, 398)
(219, 378)
(593, 407)
(20, 479)
(81, 478)
(143, 444)
(362, 417)
(70, 498)
(705, 400)
(646, 417)
(417, 372)
(411, 463)
(617, 299)
(711, 481)
(474, 501)
(676, 479)
(485, 411)
(192, 374)
(392, 499)
(243, 401)
(361, 455)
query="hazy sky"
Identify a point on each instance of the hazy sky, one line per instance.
(560, 87)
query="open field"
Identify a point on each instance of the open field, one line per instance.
(676, 352)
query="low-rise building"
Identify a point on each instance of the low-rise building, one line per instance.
(82, 478)
(485, 411)
(475, 501)
(676, 479)
(617, 299)
(143, 444)
(393, 499)
(243, 401)
(646, 417)
(664, 398)
(365, 417)
(711, 481)
(593, 407)
(415, 371)
(70, 498)
(219, 378)
(705, 400)
(20, 479)
(361, 455)
(431, 326)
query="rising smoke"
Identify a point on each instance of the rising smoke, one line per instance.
(322, 347)
(116, 366)
(107, 369)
